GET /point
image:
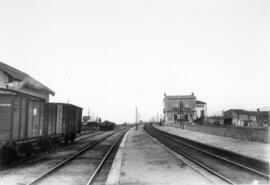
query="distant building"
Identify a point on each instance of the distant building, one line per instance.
(201, 109)
(179, 108)
(14, 79)
(263, 118)
(240, 117)
(215, 120)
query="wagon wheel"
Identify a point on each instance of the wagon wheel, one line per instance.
(9, 154)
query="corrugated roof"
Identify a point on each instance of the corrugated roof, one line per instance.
(29, 81)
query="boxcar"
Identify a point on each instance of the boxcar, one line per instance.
(28, 124)
(21, 122)
(62, 120)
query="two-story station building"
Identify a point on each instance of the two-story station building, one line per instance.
(183, 108)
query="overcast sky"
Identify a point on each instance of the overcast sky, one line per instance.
(113, 55)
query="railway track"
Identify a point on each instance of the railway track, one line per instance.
(52, 173)
(22, 161)
(224, 168)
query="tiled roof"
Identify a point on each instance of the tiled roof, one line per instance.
(27, 79)
(200, 102)
(180, 97)
(246, 112)
(237, 111)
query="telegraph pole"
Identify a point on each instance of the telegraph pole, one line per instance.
(136, 117)
(180, 112)
(136, 114)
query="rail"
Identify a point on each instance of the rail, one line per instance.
(180, 146)
(84, 149)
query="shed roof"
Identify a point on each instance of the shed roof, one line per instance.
(29, 81)
(15, 73)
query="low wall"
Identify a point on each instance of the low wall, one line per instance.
(244, 133)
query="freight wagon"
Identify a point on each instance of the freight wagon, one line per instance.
(106, 126)
(28, 124)
(62, 120)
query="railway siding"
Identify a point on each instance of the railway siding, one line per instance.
(28, 171)
(254, 150)
(226, 165)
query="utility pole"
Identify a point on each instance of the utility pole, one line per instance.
(89, 118)
(180, 112)
(136, 117)
(68, 91)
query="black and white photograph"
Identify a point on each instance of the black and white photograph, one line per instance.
(134, 92)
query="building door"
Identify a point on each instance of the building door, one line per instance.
(175, 118)
(186, 117)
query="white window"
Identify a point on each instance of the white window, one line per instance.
(35, 111)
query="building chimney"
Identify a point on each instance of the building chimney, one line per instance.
(192, 94)
(258, 110)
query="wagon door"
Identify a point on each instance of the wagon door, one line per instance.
(16, 118)
(41, 120)
(72, 119)
(23, 119)
(59, 125)
(65, 123)
(5, 118)
(36, 119)
(30, 119)
(52, 114)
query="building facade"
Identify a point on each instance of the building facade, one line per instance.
(215, 120)
(201, 109)
(14, 79)
(179, 108)
(240, 117)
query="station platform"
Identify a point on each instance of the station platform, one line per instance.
(255, 150)
(142, 160)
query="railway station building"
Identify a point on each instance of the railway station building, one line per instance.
(179, 108)
(183, 109)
